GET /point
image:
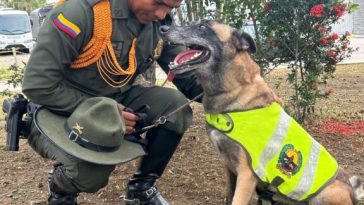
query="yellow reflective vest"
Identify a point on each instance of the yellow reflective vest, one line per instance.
(279, 148)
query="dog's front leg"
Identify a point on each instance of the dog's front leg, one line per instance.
(245, 185)
(230, 186)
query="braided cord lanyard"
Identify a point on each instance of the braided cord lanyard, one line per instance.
(99, 49)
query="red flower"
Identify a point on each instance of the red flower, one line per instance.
(317, 10)
(267, 7)
(331, 53)
(339, 13)
(338, 10)
(334, 36)
(324, 40)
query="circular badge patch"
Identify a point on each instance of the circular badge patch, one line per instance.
(290, 160)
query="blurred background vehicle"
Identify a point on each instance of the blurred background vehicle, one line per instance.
(15, 30)
(37, 17)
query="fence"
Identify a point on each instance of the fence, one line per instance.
(345, 24)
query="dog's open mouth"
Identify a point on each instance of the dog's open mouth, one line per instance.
(193, 56)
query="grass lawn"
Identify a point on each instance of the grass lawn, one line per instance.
(4, 73)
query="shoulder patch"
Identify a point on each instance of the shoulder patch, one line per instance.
(66, 26)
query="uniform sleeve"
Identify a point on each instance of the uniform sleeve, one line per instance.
(62, 36)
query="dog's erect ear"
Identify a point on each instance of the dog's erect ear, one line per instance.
(243, 41)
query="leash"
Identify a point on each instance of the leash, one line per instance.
(163, 119)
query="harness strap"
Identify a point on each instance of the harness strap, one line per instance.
(275, 183)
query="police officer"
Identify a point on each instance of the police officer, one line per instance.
(96, 48)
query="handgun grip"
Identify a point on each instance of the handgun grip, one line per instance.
(6, 106)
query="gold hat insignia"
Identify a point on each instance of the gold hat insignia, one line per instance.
(78, 128)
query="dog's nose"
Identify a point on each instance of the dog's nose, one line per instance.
(164, 29)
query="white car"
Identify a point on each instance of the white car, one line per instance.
(15, 30)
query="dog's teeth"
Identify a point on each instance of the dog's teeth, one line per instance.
(195, 55)
(173, 64)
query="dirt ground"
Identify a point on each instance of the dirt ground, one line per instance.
(195, 175)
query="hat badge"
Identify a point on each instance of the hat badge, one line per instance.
(78, 128)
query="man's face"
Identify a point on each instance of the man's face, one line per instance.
(147, 11)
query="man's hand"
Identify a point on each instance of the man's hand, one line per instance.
(129, 118)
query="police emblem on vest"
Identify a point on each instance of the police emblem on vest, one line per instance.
(279, 148)
(290, 160)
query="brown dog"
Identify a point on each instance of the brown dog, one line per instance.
(232, 82)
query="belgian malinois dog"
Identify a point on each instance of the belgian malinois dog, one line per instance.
(231, 80)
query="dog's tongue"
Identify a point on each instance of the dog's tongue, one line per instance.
(186, 56)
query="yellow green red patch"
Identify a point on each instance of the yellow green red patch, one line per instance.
(66, 26)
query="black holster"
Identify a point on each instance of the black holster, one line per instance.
(19, 115)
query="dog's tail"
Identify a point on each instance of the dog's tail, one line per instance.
(358, 187)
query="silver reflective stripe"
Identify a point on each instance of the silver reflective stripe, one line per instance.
(308, 175)
(274, 144)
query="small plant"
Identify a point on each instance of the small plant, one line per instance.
(4, 73)
(15, 78)
(300, 34)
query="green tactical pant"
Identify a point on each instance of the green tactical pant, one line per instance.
(89, 177)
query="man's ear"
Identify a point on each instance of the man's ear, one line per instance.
(243, 41)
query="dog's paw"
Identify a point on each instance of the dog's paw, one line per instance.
(358, 187)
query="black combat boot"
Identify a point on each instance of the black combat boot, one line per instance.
(161, 144)
(57, 195)
(141, 191)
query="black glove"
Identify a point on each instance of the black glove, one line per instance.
(142, 113)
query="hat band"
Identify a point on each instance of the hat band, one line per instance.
(76, 138)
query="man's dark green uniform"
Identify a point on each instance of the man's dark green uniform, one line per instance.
(51, 82)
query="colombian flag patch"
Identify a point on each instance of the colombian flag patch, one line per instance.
(66, 26)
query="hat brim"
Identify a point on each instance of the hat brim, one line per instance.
(53, 127)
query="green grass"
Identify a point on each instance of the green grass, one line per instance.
(4, 73)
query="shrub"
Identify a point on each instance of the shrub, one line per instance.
(300, 34)
(14, 75)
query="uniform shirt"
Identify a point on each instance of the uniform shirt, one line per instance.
(48, 78)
